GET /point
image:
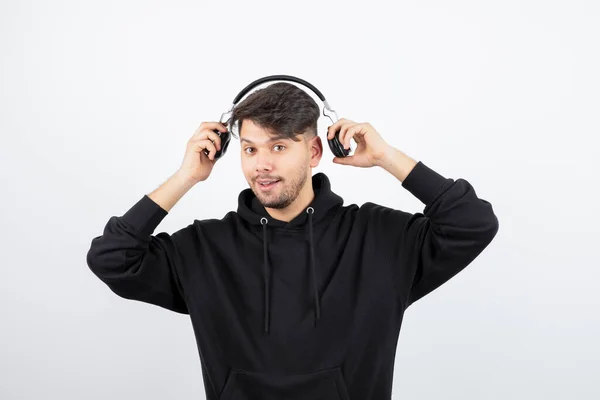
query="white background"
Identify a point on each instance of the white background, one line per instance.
(98, 100)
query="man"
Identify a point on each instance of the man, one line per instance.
(294, 296)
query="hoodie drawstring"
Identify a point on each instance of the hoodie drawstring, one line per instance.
(310, 211)
(267, 271)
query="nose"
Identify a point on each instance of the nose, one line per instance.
(264, 161)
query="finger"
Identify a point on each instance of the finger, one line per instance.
(213, 125)
(352, 134)
(214, 138)
(210, 135)
(335, 127)
(205, 144)
(342, 134)
(346, 133)
(348, 160)
(338, 126)
(210, 125)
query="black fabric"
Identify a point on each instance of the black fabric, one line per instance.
(306, 309)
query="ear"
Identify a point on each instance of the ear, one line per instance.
(315, 146)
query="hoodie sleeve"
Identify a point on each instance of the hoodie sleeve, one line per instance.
(431, 247)
(135, 264)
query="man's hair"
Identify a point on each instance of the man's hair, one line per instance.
(282, 109)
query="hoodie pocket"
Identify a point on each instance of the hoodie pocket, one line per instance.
(326, 384)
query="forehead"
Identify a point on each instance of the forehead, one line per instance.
(254, 134)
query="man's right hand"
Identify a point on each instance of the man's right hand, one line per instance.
(196, 165)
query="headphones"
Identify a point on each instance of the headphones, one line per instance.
(337, 148)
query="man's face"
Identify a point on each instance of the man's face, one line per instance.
(285, 161)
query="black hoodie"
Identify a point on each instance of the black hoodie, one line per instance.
(309, 309)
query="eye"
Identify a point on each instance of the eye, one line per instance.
(252, 148)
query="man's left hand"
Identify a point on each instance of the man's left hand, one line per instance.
(371, 150)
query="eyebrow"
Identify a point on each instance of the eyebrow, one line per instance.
(268, 141)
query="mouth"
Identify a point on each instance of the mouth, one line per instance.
(267, 185)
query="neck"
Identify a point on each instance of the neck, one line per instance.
(299, 205)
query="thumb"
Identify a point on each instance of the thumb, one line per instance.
(343, 160)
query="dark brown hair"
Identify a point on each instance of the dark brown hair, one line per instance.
(283, 109)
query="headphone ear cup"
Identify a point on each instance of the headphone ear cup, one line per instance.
(225, 139)
(337, 148)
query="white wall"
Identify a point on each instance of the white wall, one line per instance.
(98, 100)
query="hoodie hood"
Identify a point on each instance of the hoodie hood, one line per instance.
(251, 210)
(321, 208)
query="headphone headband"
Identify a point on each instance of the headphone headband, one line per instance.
(327, 110)
(278, 78)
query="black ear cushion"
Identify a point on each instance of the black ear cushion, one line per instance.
(225, 139)
(337, 148)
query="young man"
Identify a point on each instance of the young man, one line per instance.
(294, 295)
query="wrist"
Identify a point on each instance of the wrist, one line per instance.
(397, 163)
(183, 179)
(387, 157)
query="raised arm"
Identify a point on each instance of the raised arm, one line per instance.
(429, 248)
(135, 264)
